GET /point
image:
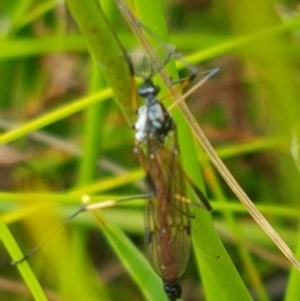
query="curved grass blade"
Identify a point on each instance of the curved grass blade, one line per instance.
(216, 267)
(135, 263)
(107, 51)
(24, 268)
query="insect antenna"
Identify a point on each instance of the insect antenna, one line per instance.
(48, 237)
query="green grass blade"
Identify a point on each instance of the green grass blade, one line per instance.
(106, 50)
(53, 116)
(215, 263)
(135, 263)
(24, 268)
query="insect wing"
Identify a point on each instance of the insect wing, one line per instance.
(204, 203)
(167, 217)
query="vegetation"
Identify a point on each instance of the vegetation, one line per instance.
(67, 106)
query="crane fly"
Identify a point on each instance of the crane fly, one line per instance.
(167, 224)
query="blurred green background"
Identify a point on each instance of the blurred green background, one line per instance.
(63, 136)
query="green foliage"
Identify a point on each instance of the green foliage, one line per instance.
(66, 99)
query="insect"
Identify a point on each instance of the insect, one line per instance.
(167, 225)
(167, 231)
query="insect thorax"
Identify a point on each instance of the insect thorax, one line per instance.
(154, 122)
